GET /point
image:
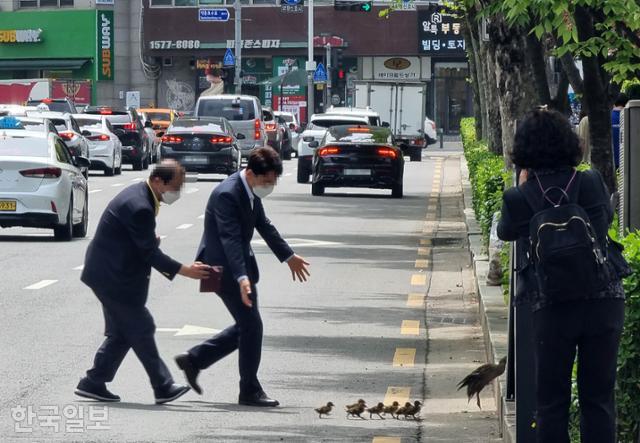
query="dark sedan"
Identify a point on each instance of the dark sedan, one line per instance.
(357, 156)
(206, 145)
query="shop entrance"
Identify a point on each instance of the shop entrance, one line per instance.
(452, 96)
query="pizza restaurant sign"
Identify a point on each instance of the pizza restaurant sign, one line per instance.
(21, 36)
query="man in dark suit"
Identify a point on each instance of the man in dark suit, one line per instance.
(118, 268)
(233, 211)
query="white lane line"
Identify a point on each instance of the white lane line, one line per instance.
(79, 268)
(41, 284)
(201, 217)
(185, 226)
(192, 191)
(288, 174)
(117, 185)
(139, 179)
(93, 191)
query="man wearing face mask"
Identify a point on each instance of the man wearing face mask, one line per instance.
(118, 268)
(233, 212)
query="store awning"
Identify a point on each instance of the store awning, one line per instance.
(42, 63)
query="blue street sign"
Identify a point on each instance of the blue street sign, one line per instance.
(320, 76)
(292, 2)
(213, 15)
(229, 59)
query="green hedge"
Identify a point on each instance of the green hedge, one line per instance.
(488, 180)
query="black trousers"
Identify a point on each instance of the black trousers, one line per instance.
(128, 327)
(593, 327)
(245, 336)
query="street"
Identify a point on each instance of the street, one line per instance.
(358, 329)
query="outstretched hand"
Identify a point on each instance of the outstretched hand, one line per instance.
(298, 266)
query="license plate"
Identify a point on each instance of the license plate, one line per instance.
(357, 172)
(7, 206)
(195, 160)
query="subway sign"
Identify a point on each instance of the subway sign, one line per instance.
(105, 57)
(20, 35)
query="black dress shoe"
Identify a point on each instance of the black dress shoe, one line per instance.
(170, 393)
(190, 372)
(87, 389)
(259, 399)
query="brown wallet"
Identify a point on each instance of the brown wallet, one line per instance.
(212, 284)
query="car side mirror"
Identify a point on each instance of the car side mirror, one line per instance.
(119, 132)
(160, 134)
(314, 144)
(307, 139)
(386, 125)
(148, 124)
(82, 162)
(86, 133)
(240, 136)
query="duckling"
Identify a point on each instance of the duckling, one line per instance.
(403, 410)
(356, 411)
(324, 410)
(391, 409)
(359, 402)
(376, 410)
(414, 410)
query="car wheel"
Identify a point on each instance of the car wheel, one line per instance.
(396, 191)
(415, 155)
(317, 189)
(110, 171)
(303, 174)
(287, 154)
(65, 232)
(119, 170)
(145, 163)
(137, 165)
(80, 230)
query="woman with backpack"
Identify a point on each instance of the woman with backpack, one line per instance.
(570, 272)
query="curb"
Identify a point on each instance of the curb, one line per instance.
(494, 315)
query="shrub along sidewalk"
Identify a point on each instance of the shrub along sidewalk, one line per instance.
(488, 179)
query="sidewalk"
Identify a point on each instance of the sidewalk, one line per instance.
(455, 337)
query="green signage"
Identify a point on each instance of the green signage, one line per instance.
(105, 56)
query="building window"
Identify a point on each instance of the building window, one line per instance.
(161, 2)
(45, 3)
(186, 2)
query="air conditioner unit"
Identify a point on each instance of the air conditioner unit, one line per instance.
(167, 61)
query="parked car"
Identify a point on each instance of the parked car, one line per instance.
(357, 156)
(243, 112)
(161, 118)
(42, 184)
(292, 135)
(69, 131)
(54, 104)
(315, 131)
(272, 128)
(105, 148)
(151, 134)
(136, 145)
(207, 145)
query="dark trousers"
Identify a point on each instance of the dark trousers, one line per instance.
(245, 336)
(594, 328)
(128, 327)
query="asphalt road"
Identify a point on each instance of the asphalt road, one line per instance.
(332, 339)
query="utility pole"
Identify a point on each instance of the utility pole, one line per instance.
(237, 81)
(311, 65)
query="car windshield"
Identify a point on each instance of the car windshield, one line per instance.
(359, 134)
(23, 147)
(233, 110)
(267, 116)
(327, 123)
(158, 116)
(53, 106)
(196, 126)
(119, 119)
(374, 121)
(89, 123)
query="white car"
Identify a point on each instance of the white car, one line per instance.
(41, 184)
(151, 133)
(370, 114)
(105, 148)
(315, 131)
(430, 131)
(294, 127)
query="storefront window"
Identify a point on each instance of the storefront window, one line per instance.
(186, 3)
(161, 2)
(45, 3)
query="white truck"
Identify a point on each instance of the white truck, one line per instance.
(402, 106)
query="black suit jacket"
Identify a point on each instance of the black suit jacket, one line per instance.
(229, 222)
(125, 247)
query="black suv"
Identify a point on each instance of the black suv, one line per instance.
(136, 145)
(55, 104)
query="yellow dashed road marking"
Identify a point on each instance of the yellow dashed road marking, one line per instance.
(422, 263)
(404, 358)
(415, 300)
(425, 241)
(387, 440)
(423, 251)
(418, 280)
(400, 394)
(410, 327)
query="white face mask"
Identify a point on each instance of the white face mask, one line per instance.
(170, 197)
(263, 191)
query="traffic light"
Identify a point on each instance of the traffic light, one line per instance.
(351, 5)
(341, 74)
(339, 60)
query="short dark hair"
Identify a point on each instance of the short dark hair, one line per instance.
(621, 99)
(546, 140)
(165, 172)
(264, 160)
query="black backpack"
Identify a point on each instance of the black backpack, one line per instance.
(566, 254)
